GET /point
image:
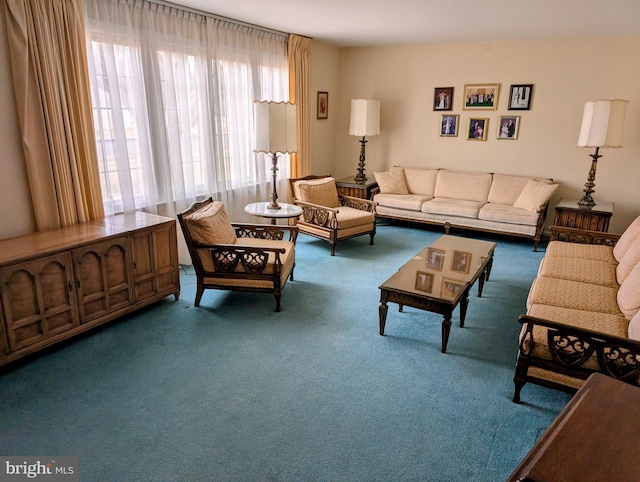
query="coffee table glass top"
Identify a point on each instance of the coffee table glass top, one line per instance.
(442, 270)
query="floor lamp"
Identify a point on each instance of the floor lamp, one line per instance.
(602, 126)
(275, 133)
(365, 121)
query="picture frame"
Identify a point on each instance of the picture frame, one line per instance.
(451, 288)
(435, 259)
(480, 97)
(424, 281)
(520, 96)
(508, 127)
(477, 128)
(322, 105)
(460, 261)
(449, 125)
(443, 98)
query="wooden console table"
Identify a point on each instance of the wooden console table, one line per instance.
(594, 438)
(570, 215)
(348, 187)
(56, 284)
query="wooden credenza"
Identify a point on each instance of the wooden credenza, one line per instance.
(56, 284)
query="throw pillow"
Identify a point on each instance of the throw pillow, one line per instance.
(322, 192)
(535, 195)
(392, 182)
(211, 225)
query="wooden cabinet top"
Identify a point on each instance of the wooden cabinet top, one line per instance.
(41, 243)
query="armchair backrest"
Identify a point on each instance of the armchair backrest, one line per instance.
(319, 190)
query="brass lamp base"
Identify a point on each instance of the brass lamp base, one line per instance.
(586, 201)
(360, 177)
(274, 194)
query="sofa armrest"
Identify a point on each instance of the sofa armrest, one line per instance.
(583, 236)
(571, 348)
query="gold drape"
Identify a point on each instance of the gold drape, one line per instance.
(47, 49)
(299, 52)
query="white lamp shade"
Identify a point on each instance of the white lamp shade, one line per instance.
(365, 117)
(275, 127)
(603, 123)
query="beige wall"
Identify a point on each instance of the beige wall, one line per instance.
(565, 74)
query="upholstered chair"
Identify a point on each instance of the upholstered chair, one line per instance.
(237, 256)
(328, 215)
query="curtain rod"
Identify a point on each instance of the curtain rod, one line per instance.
(217, 17)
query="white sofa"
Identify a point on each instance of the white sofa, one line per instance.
(501, 203)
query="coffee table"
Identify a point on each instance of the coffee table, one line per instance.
(438, 279)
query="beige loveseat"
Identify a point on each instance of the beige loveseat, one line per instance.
(501, 203)
(583, 311)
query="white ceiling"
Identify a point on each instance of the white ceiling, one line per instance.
(350, 23)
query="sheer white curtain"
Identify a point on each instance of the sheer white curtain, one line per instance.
(172, 94)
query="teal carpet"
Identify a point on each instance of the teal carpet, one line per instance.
(233, 391)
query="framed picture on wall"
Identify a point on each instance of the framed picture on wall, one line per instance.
(449, 125)
(443, 98)
(508, 126)
(520, 97)
(323, 105)
(480, 97)
(477, 128)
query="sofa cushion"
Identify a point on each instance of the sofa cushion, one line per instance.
(452, 207)
(629, 261)
(392, 182)
(210, 225)
(463, 185)
(578, 269)
(574, 295)
(534, 195)
(503, 213)
(627, 239)
(411, 202)
(420, 180)
(506, 189)
(322, 192)
(597, 252)
(629, 294)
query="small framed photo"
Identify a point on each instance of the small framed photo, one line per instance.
(451, 288)
(449, 125)
(323, 105)
(435, 259)
(508, 127)
(477, 129)
(443, 98)
(460, 261)
(480, 96)
(424, 281)
(520, 97)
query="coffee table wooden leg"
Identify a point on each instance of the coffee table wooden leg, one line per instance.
(446, 329)
(382, 310)
(489, 266)
(464, 303)
(481, 282)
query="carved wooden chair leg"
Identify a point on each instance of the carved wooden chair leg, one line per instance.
(291, 274)
(519, 378)
(277, 297)
(333, 248)
(199, 292)
(371, 242)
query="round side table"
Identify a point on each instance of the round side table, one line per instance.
(262, 210)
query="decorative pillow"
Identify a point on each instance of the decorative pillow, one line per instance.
(322, 192)
(628, 237)
(535, 195)
(211, 225)
(392, 182)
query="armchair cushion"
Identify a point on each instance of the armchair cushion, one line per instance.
(322, 192)
(535, 195)
(210, 225)
(349, 217)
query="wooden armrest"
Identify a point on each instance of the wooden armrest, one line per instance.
(314, 206)
(358, 199)
(557, 325)
(583, 236)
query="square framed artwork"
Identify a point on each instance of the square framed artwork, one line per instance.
(477, 128)
(323, 105)
(480, 96)
(451, 288)
(449, 125)
(443, 98)
(508, 127)
(460, 261)
(520, 96)
(424, 281)
(435, 258)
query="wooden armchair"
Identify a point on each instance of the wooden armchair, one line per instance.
(237, 256)
(329, 215)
